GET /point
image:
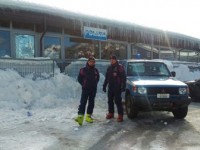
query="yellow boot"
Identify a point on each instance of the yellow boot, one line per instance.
(89, 118)
(79, 119)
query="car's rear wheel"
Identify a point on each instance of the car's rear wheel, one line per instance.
(131, 109)
(180, 113)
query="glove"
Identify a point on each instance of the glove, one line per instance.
(104, 89)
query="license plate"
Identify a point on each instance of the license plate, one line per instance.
(162, 95)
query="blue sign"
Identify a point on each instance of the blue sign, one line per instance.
(95, 33)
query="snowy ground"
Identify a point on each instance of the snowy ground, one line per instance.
(38, 114)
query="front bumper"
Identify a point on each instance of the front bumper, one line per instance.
(154, 103)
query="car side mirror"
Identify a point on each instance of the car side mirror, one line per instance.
(173, 73)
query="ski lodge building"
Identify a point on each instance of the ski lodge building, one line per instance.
(29, 30)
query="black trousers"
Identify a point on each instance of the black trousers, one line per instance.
(87, 96)
(114, 96)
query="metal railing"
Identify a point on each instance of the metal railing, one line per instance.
(72, 67)
(44, 68)
(38, 68)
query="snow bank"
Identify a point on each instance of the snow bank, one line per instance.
(18, 92)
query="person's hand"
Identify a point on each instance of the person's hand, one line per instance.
(104, 89)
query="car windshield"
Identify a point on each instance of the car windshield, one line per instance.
(147, 69)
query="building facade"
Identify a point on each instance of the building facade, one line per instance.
(30, 30)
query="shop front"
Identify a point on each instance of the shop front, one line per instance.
(26, 44)
(29, 34)
(93, 43)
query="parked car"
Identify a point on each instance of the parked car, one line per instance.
(194, 87)
(152, 87)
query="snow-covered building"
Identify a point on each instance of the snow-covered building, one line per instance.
(28, 29)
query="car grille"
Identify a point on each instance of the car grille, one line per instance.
(156, 90)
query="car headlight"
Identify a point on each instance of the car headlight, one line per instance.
(142, 90)
(182, 90)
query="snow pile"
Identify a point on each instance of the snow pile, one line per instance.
(18, 92)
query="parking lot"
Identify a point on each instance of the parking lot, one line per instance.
(155, 130)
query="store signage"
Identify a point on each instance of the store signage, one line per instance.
(95, 33)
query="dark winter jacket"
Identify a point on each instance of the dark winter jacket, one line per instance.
(115, 77)
(88, 77)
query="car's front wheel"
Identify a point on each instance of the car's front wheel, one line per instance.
(180, 113)
(131, 109)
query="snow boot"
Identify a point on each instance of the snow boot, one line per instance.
(79, 119)
(120, 118)
(109, 115)
(89, 118)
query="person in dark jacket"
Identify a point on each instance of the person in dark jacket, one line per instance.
(116, 80)
(88, 78)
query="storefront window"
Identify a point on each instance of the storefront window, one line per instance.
(5, 43)
(193, 56)
(118, 49)
(80, 48)
(52, 47)
(24, 45)
(168, 55)
(190, 56)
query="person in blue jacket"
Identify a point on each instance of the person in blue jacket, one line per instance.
(88, 78)
(116, 80)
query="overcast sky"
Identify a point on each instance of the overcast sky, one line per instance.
(181, 16)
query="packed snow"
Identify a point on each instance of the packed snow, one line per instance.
(36, 112)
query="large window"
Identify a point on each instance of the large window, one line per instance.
(190, 56)
(110, 48)
(5, 43)
(79, 47)
(52, 47)
(25, 45)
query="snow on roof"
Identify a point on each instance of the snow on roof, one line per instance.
(56, 11)
(40, 8)
(31, 6)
